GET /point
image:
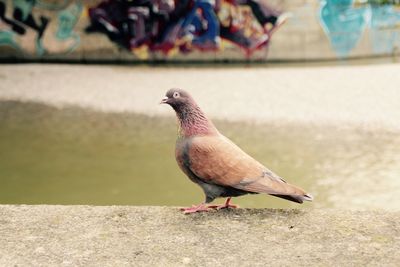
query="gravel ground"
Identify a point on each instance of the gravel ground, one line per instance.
(160, 236)
(362, 95)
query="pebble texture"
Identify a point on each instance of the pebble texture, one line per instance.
(162, 236)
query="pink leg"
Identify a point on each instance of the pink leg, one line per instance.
(224, 206)
(194, 208)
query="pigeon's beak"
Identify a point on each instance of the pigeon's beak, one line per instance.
(164, 100)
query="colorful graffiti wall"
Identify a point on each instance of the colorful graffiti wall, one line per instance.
(199, 30)
(183, 26)
(140, 26)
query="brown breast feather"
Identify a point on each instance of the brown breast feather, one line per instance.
(216, 159)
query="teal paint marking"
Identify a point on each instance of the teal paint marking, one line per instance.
(53, 6)
(67, 20)
(24, 6)
(7, 39)
(385, 29)
(343, 24)
(24, 19)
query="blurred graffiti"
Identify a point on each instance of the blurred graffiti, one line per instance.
(385, 29)
(168, 26)
(25, 27)
(344, 22)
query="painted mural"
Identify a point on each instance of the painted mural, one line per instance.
(170, 27)
(25, 26)
(345, 21)
(150, 29)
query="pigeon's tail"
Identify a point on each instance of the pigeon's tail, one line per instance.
(308, 197)
(296, 198)
(275, 186)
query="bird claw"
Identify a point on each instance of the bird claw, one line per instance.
(194, 209)
(226, 205)
(223, 206)
(204, 207)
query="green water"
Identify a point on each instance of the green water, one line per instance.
(79, 156)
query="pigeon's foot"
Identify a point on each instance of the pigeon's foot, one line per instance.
(227, 205)
(194, 208)
(223, 206)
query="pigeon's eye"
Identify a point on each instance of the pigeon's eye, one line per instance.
(176, 95)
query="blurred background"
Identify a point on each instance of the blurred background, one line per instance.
(309, 88)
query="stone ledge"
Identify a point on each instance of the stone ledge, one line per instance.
(46, 235)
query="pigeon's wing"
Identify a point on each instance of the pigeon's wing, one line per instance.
(217, 160)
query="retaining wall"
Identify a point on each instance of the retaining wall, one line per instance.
(314, 30)
(162, 236)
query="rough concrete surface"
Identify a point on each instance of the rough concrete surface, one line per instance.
(163, 236)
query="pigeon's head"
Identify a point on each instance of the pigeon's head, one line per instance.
(177, 98)
(192, 121)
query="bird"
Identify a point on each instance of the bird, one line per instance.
(216, 164)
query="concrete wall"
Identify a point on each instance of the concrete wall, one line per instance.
(163, 236)
(58, 30)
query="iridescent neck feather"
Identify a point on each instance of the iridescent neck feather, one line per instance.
(192, 121)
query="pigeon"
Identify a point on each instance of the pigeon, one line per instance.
(216, 164)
